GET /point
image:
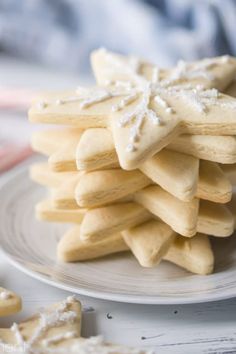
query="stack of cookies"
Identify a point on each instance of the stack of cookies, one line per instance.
(143, 161)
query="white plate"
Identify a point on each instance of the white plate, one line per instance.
(30, 245)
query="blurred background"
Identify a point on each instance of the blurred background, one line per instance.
(45, 44)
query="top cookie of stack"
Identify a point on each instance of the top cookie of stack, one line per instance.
(147, 143)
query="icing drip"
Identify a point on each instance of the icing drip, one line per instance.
(5, 295)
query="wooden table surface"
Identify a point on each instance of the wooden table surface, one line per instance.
(199, 328)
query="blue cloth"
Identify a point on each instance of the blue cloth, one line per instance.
(63, 32)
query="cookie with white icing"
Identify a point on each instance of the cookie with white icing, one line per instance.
(10, 302)
(144, 116)
(149, 242)
(72, 249)
(194, 254)
(209, 72)
(48, 331)
(57, 330)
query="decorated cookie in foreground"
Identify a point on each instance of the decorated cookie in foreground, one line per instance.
(45, 332)
(56, 330)
(10, 303)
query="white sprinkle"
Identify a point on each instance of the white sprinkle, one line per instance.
(5, 295)
(59, 102)
(153, 117)
(160, 101)
(41, 105)
(155, 75)
(169, 110)
(95, 99)
(124, 102)
(130, 148)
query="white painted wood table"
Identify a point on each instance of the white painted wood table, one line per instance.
(201, 328)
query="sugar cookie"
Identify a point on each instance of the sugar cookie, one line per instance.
(46, 211)
(102, 222)
(232, 207)
(230, 172)
(220, 149)
(101, 187)
(209, 72)
(231, 89)
(213, 184)
(64, 197)
(10, 303)
(48, 331)
(215, 219)
(49, 141)
(144, 118)
(175, 172)
(41, 173)
(72, 249)
(181, 216)
(149, 241)
(96, 148)
(194, 254)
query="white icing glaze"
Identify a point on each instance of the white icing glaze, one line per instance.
(200, 69)
(136, 87)
(56, 318)
(5, 295)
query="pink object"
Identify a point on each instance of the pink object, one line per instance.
(16, 99)
(11, 155)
